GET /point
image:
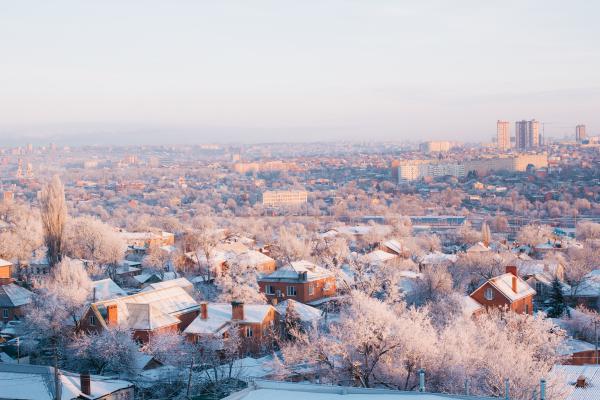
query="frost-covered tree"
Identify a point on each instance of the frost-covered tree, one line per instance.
(372, 345)
(238, 281)
(90, 239)
(53, 209)
(23, 234)
(170, 348)
(64, 293)
(486, 234)
(111, 350)
(534, 234)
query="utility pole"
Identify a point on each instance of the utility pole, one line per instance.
(57, 395)
(596, 336)
(189, 384)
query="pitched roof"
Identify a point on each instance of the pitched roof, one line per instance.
(12, 295)
(150, 309)
(504, 285)
(107, 289)
(592, 378)
(219, 317)
(305, 312)
(293, 270)
(35, 382)
(183, 283)
(4, 263)
(147, 317)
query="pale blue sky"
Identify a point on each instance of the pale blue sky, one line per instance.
(253, 70)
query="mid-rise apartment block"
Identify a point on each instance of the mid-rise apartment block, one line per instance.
(284, 198)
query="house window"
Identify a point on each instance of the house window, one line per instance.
(249, 331)
(269, 289)
(311, 290)
(92, 320)
(5, 313)
(489, 294)
(291, 290)
(526, 308)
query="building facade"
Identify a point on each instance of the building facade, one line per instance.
(503, 135)
(284, 198)
(527, 134)
(580, 134)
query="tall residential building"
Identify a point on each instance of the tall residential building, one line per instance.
(503, 135)
(527, 134)
(580, 133)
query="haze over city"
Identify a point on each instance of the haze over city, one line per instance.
(126, 72)
(277, 200)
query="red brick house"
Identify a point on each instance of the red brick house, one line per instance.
(145, 313)
(255, 322)
(506, 291)
(13, 298)
(302, 281)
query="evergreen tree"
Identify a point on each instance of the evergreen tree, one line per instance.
(557, 300)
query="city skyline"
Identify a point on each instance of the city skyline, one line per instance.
(216, 72)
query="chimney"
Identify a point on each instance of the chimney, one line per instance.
(514, 284)
(86, 383)
(111, 314)
(237, 310)
(581, 382)
(204, 310)
(511, 269)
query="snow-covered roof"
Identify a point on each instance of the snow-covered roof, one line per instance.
(253, 258)
(531, 267)
(148, 317)
(35, 382)
(219, 316)
(592, 379)
(275, 390)
(183, 283)
(575, 346)
(4, 263)
(590, 285)
(150, 309)
(305, 312)
(12, 295)
(359, 230)
(504, 284)
(107, 289)
(393, 245)
(293, 270)
(379, 256)
(437, 257)
(470, 305)
(478, 247)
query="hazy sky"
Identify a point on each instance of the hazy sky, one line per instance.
(253, 70)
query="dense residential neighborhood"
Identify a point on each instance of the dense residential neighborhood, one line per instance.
(366, 283)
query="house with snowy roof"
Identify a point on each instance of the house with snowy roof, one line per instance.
(36, 382)
(183, 283)
(145, 313)
(506, 291)
(302, 281)
(305, 315)
(13, 298)
(270, 390)
(105, 289)
(255, 323)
